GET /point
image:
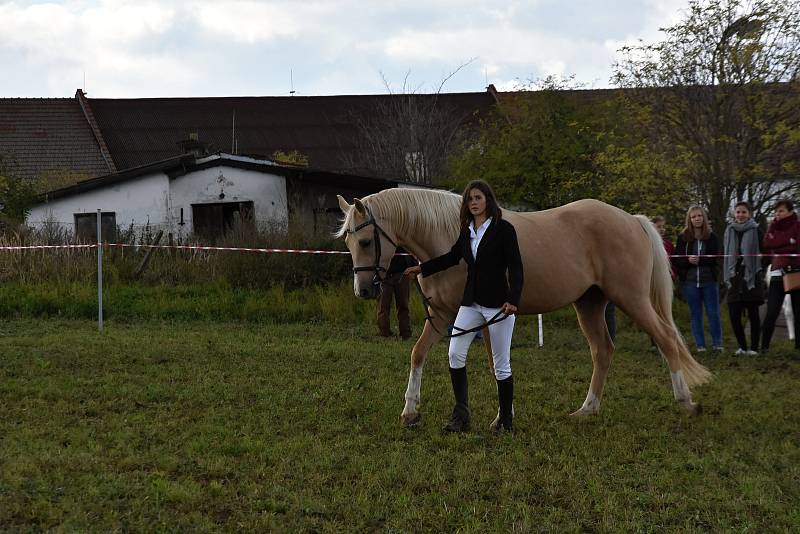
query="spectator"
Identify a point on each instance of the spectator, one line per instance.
(696, 264)
(661, 227)
(611, 320)
(397, 285)
(782, 237)
(742, 272)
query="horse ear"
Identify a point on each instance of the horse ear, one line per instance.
(343, 205)
(360, 207)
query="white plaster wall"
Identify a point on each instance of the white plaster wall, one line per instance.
(156, 200)
(139, 201)
(266, 191)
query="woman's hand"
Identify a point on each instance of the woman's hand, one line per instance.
(509, 309)
(412, 271)
(694, 260)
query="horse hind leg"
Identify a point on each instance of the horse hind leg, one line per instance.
(591, 317)
(674, 350)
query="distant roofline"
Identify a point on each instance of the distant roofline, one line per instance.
(294, 97)
(180, 165)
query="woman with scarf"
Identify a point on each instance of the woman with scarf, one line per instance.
(742, 272)
(782, 237)
(696, 263)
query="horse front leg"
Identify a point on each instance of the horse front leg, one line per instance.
(411, 416)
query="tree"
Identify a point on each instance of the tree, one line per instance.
(719, 96)
(538, 149)
(16, 195)
(407, 135)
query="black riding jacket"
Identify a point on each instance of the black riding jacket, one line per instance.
(494, 277)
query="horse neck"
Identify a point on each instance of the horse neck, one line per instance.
(426, 245)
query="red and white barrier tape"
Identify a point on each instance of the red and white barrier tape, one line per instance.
(41, 247)
(305, 251)
(737, 255)
(232, 249)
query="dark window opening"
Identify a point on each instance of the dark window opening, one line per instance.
(86, 227)
(217, 219)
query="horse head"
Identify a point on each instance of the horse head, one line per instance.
(370, 244)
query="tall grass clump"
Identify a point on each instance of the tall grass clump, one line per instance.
(178, 283)
(121, 264)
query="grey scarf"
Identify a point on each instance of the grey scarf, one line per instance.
(749, 249)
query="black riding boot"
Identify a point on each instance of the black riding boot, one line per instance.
(459, 421)
(505, 395)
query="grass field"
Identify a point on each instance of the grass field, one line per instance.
(203, 426)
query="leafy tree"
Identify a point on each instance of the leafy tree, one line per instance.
(537, 150)
(292, 157)
(16, 195)
(719, 98)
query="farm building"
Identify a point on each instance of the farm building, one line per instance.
(206, 196)
(195, 164)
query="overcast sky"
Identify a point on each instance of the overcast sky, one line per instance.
(128, 49)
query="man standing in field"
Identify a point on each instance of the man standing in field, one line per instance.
(398, 285)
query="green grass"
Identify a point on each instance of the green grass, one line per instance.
(208, 426)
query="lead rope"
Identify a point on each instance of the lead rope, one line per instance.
(496, 318)
(461, 332)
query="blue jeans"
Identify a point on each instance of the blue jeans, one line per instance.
(697, 298)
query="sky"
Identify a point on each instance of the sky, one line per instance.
(138, 49)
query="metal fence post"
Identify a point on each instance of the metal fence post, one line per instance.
(541, 332)
(99, 273)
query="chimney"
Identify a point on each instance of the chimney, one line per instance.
(193, 145)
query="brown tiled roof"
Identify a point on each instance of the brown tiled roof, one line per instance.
(322, 128)
(39, 136)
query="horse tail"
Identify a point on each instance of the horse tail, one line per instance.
(661, 290)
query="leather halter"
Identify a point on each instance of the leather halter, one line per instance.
(377, 232)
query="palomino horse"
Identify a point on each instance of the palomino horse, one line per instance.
(585, 253)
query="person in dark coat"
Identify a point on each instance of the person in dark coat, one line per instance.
(782, 237)
(696, 263)
(398, 286)
(742, 271)
(488, 245)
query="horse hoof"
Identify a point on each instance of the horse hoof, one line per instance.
(696, 410)
(495, 424)
(410, 420)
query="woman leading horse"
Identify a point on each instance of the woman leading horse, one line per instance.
(585, 253)
(488, 245)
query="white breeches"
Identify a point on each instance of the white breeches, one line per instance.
(500, 334)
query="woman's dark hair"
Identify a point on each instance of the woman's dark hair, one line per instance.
(746, 206)
(786, 203)
(492, 208)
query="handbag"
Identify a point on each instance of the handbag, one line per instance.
(791, 279)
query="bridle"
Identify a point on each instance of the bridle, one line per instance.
(377, 232)
(377, 279)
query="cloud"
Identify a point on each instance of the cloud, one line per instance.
(248, 21)
(109, 41)
(216, 47)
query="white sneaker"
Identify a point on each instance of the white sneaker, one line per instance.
(701, 349)
(739, 352)
(751, 353)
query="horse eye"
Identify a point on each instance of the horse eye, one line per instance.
(365, 242)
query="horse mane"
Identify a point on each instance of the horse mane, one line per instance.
(412, 211)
